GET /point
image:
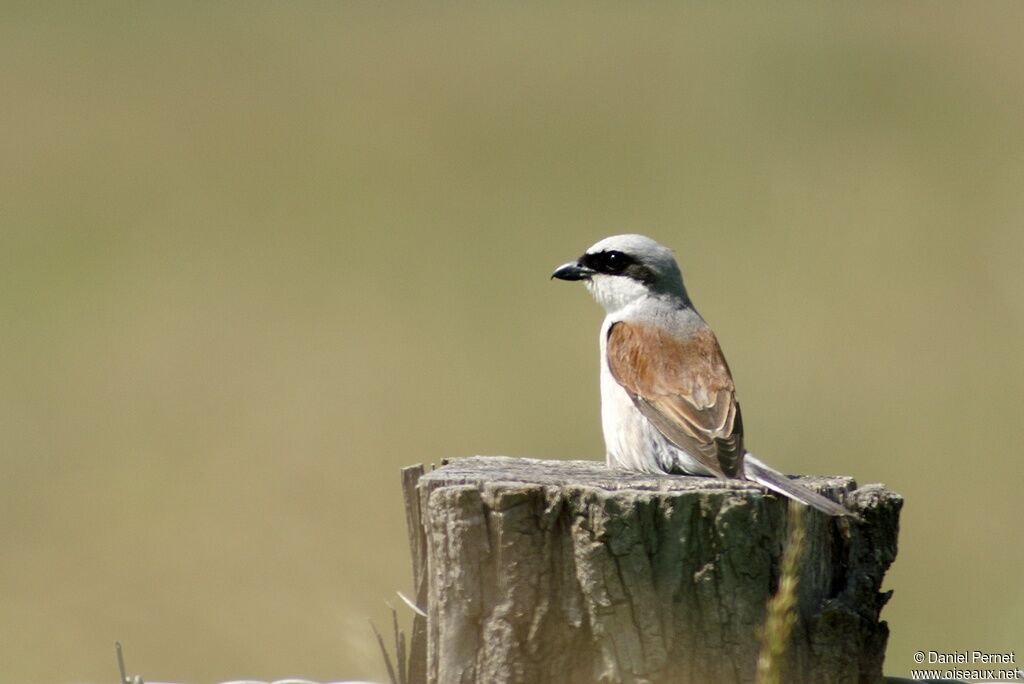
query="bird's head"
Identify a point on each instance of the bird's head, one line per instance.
(621, 269)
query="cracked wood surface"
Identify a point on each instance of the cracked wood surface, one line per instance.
(566, 571)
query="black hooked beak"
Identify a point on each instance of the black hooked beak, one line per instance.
(573, 271)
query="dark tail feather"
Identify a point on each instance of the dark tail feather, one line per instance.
(777, 482)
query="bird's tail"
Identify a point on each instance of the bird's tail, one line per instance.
(777, 482)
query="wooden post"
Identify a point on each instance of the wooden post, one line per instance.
(566, 571)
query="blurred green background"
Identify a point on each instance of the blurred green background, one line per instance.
(254, 258)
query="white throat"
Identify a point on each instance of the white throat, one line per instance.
(615, 293)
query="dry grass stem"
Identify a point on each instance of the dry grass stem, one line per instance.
(781, 613)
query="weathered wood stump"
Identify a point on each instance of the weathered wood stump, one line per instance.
(566, 571)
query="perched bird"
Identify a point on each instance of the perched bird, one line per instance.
(668, 400)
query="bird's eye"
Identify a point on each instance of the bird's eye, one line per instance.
(611, 262)
(615, 262)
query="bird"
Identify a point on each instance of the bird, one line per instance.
(668, 399)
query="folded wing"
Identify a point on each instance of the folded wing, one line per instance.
(684, 387)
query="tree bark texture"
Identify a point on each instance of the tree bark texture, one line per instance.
(537, 571)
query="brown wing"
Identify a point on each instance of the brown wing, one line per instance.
(684, 387)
